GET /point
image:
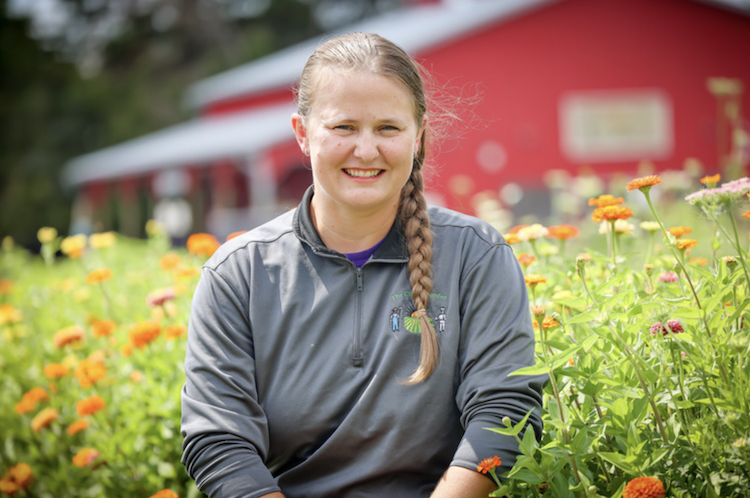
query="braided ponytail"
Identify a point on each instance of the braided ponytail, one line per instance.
(416, 225)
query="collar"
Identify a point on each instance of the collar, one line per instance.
(393, 248)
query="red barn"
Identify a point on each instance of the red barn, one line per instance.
(564, 84)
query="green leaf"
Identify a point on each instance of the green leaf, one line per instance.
(618, 460)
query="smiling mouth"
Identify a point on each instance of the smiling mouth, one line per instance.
(363, 173)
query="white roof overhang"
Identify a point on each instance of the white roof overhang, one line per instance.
(195, 142)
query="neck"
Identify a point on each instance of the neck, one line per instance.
(350, 232)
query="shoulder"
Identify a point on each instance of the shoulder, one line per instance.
(448, 223)
(275, 233)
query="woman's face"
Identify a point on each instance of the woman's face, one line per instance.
(362, 135)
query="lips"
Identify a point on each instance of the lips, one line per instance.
(363, 173)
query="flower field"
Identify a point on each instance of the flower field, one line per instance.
(639, 308)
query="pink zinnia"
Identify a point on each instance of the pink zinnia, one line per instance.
(668, 276)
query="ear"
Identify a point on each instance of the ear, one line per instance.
(420, 132)
(300, 132)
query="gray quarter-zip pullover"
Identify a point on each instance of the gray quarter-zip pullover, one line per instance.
(296, 361)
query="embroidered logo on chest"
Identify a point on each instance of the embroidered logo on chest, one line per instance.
(405, 314)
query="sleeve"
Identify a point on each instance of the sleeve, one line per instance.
(224, 428)
(497, 338)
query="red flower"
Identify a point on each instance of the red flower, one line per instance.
(488, 464)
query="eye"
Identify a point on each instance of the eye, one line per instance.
(388, 128)
(343, 127)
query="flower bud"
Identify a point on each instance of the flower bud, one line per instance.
(730, 262)
(538, 310)
(649, 269)
(46, 234)
(580, 263)
(507, 422)
(677, 268)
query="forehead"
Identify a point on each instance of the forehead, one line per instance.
(337, 90)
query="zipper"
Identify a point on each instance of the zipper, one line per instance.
(357, 353)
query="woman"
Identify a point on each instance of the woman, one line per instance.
(360, 345)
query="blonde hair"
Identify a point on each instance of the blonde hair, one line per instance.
(375, 54)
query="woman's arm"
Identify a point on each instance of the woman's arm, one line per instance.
(460, 482)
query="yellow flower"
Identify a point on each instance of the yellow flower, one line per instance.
(650, 226)
(46, 234)
(169, 261)
(532, 232)
(99, 275)
(9, 314)
(102, 240)
(73, 246)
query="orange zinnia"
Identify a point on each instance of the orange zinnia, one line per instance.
(202, 244)
(611, 213)
(174, 331)
(90, 405)
(103, 328)
(99, 275)
(746, 214)
(85, 457)
(29, 400)
(517, 228)
(44, 418)
(686, 243)
(533, 280)
(547, 323)
(606, 200)
(526, 259)
(56, 370)
(16, 478)
(165, 493)
(644, 183)
(679, 231)
(77, 426)
(699, 261)
(89, 372)
(708, 180)
(143, 333)
(234, 234)
(488, 464)
(68, 335)
(644, 487)
(562, 232)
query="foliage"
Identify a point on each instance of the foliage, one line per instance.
(98, 337)
(649, 366)
(648, 363)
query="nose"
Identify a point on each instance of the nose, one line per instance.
(366, 147)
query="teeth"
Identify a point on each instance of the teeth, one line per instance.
(363, 173)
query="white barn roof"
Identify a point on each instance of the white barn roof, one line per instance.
(414, 29)
(194, 142)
